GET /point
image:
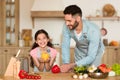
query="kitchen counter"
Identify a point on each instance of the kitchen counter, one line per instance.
(61, 76)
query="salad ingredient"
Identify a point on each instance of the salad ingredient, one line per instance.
(22, 74)
(55, 69)
(80, 69)
(111, 73)
(104, 68)
(45, 56)
(92, 68)
(85, 75)
(75, 76)
(116, 68)
(80, 77)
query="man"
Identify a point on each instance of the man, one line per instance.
(89, 47)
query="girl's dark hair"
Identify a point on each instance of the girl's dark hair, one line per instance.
(41, 31)
(73, 10)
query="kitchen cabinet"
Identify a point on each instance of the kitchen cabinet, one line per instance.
(7, 52)
(71, 55)
(5, 55)
(111, 55)
(104, 58)
(2, 62)
(9, 24)
(1, 22)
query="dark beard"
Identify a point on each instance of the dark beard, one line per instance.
(75, 25)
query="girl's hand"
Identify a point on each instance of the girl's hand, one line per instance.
(41, 60)
(48, 60)
(44, 61)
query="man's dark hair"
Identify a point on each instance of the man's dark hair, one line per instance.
(73, 10)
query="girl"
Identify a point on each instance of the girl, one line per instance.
(42, 45)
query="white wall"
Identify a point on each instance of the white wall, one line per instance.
(25, 18)
(54, 25)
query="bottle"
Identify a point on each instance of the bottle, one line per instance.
(97, 13)
(21, 42)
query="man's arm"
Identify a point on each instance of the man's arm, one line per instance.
(65, 45)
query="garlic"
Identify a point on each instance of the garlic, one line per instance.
(85, 75)
(75, 76)
(111, 73)
(80, 77)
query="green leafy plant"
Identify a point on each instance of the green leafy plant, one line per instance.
(80, 69)
(116, 68)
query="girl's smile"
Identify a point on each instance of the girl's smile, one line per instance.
(42, 40)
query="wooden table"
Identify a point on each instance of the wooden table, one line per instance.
(61, 76)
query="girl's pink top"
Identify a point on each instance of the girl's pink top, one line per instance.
(35, 51)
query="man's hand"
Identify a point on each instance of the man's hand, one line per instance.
(67, 67)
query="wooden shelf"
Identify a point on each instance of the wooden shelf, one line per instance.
(10, 2)
(46, 14)
(103, 18)
(10, 16)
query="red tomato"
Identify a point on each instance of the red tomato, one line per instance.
(108, 69)
(103, 65)
(22, 74)
(104, 69)
(38, 77)
(27, 77)
(35, 77)
(30, 76)
(55, 69)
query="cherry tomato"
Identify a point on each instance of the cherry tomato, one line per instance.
(22, 74)
(35, 77)
(38, 77)
(27, 77)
